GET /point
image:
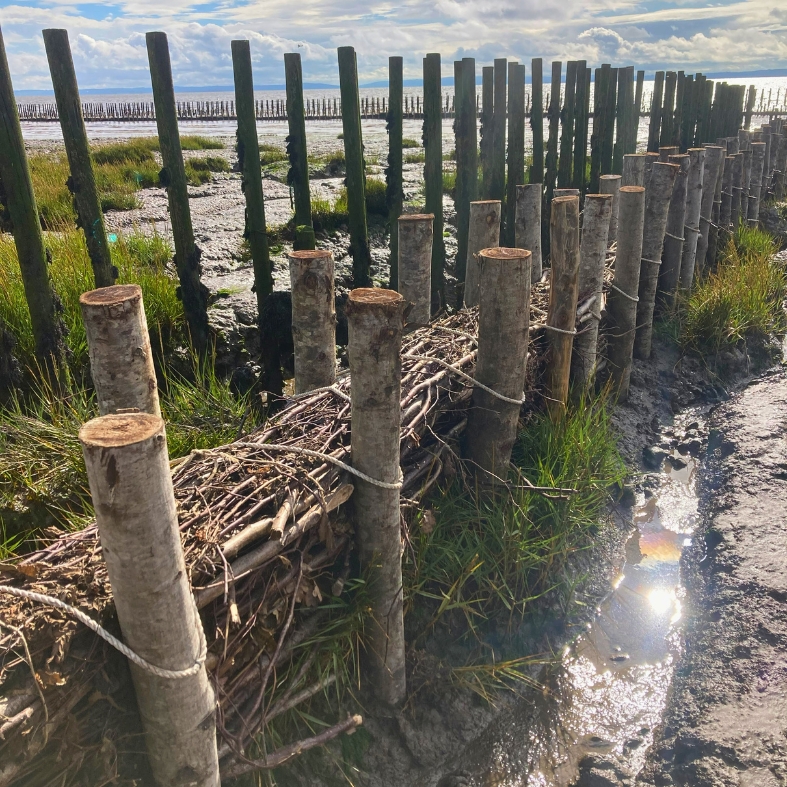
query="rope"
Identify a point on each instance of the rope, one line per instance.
(633, 298)
(168, 674)
(294, 449)
(652, 262)
(674, 237)
(691, 229)
(460, 373)
(554, 328)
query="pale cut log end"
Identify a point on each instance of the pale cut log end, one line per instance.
(119, 431)
(111, 296)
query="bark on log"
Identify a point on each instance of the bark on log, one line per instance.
(610, 184)
(725, 213)
(691, 229)
(131, 486)
(622, 300)
(528, 226)
(737, 191)
(669, 273)
(313, 318)
(484, 233)
(375, 330)
(393, 172)
(713, 159)
(757, 167)
(415, 256)
(634, 169)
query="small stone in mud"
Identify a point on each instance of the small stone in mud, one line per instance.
(677, 463)
(619, 657)
(653, 456)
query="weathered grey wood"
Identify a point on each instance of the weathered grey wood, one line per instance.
(484, 233)
(566, 192)
(596, 216)
(634, 169)
(313, 318)
(193, 293)
(503, 323)
(552, 156)
(713, 159)
(298, 176)
(562, 314)
(498, 148)
(657, 202)
(691, 228)
(487, 129)
(131, 486)
(757, 167)
(516, 145)
(665, 151)
(356, 176)
(737, 191)
(433, 173)
(537, 120)
(622, 299)
(82, 183)
(567, 126)
(121, 359)
(528, 225)
(650, 160)
(725, 213)
(394, 193)
(610, 184)
(374, 320)
(669, 273)
(747, 159)
(415, 257)
(581, 113)
(655, 113)
(21, 202)
(713, 235)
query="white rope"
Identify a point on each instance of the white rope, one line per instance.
(633, 298)
(674, 237)
(691, 229)
(652, 262)
(554, 328)
(168, 674)
(294, 449)
(460, 373)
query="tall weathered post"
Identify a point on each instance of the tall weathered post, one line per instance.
(313, 318)
(691, 229)
(655, 113)
(298, 175)
(610, 105)
(193, 292)
(486, 143)
(599, 121)
(433, 173)
(567, 127)
(622, 300)
(581, 109)
(394, 194)
(562, 314)
(374, 319)
(356, 175)
(503, 323)
(82, 183)
(551, 160)
(484, 233)
(610, 184)
(516, 144)
(498, 182)
(415, 265)
(528, 225)
(537, 120)
(131, 486)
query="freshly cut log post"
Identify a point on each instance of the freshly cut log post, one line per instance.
(596, 217)
(374, 319)
(562, 314)
(747, 157)
(415, 258)
(503, 323)
(634, 169)
(121, 360)
(713, 159)
(691, 229)
(610, 184)
(669, 273)
(566, 193)
(665, 151)
(780, 173)
(528, 225)
(713, 235)
(313, 319)
(622, 300)
(757, 167)
(82, 183)
(657, 201)
(131, 486)
(725, 214)
(737, 191)
(650, 160)
(484, 233)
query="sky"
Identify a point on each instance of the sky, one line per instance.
(108, 38)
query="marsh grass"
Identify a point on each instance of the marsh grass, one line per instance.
(329, 215)
(742, 299)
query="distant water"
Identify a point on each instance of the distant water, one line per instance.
(772, 88)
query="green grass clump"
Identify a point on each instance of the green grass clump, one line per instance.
(329, 216)
(742, 299)
(134, 151)
(199, 169)
(449, 182)
(408, 142)
(415, 158)
(328, 165)
(271, 154)
(139, 259)
(375, 197)
(476, 566)
(197, 142)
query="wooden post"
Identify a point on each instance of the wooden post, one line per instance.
(552, 160)
(620, 122)
(193, 292)
(607, 147)
(121, 360)
(394, 193)
(528, 225)
(537, 120)
(637, 110)
(487, 128)
(374, 320)
(634, 169)
(82, 182)
(669, 273)
(737, 189)
(713, 159)
(580, 127)
(313, 319)
(622, 302)
(691, 228)
(757, 167)
(433, 173)
(610, 184)
(298, 176)
(28, 238)
(713, 235)
(356, 176)
(562, 314)
(599, 125)
(725, 214)
(498, 182)
(484, 233)
(516, 145)
(655, 113)
(567, 126)
(503, 323)
(657, 202)
(131, 486)
(415, 256)
(665, 151)
(596, 216)
(667, 112)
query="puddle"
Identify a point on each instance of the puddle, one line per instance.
(610, 690)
